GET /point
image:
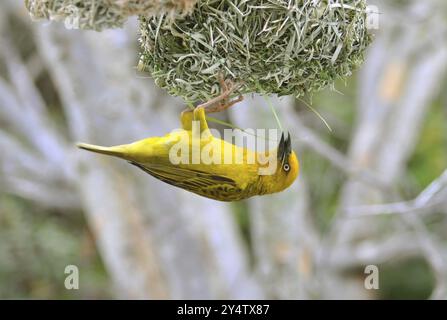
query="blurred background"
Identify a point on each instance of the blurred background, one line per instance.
(371, 192)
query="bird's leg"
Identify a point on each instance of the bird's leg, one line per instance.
(186, 118)
(221, 105)
(223, 84)
(222, 102)
(216, 104)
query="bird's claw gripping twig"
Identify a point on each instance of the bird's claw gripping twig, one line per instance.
(223, 102)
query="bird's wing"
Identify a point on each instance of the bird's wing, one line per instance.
(209, 185)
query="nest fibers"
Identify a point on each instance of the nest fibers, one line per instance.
(284, 47)
(103, 14)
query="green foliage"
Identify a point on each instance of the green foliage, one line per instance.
(406, 279)
(430, 157)
(103, 14)
(269, 46)
(241, 214)
(37, 245)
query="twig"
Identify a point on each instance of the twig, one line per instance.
(426, 199)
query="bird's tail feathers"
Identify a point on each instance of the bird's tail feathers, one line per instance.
(116, 151)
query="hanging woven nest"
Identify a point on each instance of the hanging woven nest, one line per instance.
(103, 14)
(284, 47)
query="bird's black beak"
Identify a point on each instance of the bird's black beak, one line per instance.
(288, 144)
(284, 147)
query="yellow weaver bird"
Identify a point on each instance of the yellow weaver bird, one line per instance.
(223, 178)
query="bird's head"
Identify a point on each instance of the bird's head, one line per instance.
(287, 168)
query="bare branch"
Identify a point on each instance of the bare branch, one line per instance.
(429, 198)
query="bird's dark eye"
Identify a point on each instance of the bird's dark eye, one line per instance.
(286, 167)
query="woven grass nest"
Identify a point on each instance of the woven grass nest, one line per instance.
(283, 47)
(103, 14)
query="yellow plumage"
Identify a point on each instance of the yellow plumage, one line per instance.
(221, 175)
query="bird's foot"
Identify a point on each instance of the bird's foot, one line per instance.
(223, 102)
